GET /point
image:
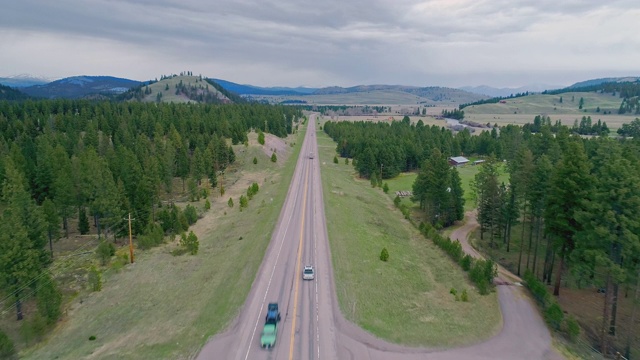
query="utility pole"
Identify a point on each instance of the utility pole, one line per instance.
(130, 239)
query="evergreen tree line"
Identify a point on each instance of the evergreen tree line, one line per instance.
(630, 130)
(493, 100)
(624, 90)
(347, 109)
(630, 105)
(579, 202)
(62, 160)
(585, 127)
(390, 148)
(453, 114)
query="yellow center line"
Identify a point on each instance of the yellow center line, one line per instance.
(297, 273)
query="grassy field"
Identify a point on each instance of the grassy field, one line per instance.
(522, 110)
(405, 300)
(379, 97)
(166, 306)
(467, 173)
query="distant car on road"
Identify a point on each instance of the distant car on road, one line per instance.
(269, 335)
(311, 155)
(308, 273)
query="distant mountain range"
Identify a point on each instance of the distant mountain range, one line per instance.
(257, 90)
(23, 80)
(80, 86)
(89, 86)
(432, 93)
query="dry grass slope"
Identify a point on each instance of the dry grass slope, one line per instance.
(166, 307)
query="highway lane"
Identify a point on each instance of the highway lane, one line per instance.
(299, 239)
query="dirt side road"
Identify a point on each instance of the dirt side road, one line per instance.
(523, 336)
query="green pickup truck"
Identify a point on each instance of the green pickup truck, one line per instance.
(269, 334)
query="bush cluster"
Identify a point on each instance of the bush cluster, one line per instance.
(481, 272)
(553, 314)
(7, 350)
(190, 242)
(172, 219)
(252, 190)
(384, 254)
(105, 251)
(191, 214)
(154, 236)
(95, 279)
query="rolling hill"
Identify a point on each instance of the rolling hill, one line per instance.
(81, 86)
(182, 89)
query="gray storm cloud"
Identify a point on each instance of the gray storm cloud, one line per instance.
(321, 43)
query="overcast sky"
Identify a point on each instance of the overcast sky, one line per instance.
(501, 43)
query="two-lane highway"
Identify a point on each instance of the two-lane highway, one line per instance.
(312, 326)
(299, 239)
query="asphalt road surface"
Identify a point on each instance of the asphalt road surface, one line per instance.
(312, 326)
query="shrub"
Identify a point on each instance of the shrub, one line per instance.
(465, 262)
(190, 242)
(33, 329)
(255, 160)
(95, 279)
(182, 220)
(572, 327)
(260, 138)
(274, 158)
(92, 337)
(191, 214)
(537, 288)
(105, 251)
(464, 296)
(207, 205)
(7, 350)
(477, 276)
(335, 159)
(385, 188)
(346, 161)
(384, 255)
(554, 315)
(396, 201)
(153, 236)
(453, 292)
(194, 193)
(230, 202)
(48, 300)
(244, 202)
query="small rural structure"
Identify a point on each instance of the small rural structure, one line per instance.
(477, 162)
(458, 160)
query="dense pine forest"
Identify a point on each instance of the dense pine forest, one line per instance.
(577, 198)
(99, 161)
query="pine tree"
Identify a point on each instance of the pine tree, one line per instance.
(569, 195)
(22, 237)
(83, 221)
(611, 226)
